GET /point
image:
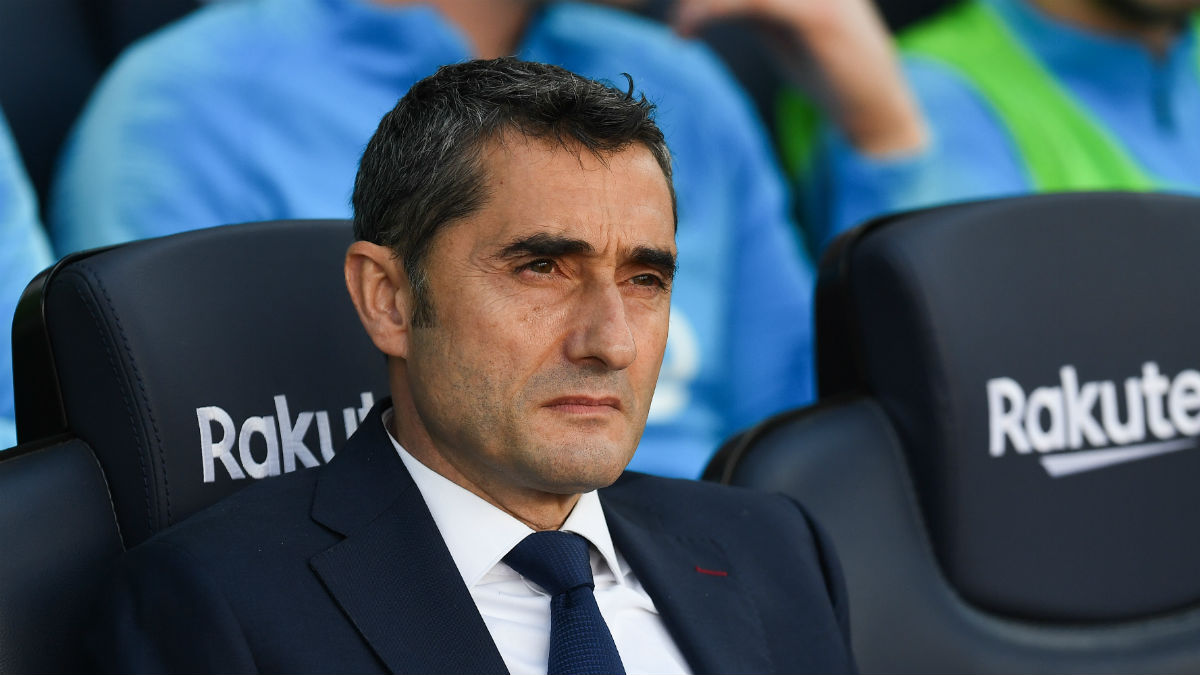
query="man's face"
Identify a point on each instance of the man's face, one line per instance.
(550, 308)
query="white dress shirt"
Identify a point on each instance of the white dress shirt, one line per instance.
(517, 612)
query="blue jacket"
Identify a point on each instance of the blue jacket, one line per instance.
(260, 110)
(1148, 102)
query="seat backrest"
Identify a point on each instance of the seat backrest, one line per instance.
(52, 60)
(60, 535)
(1007, 447)
(197, 362)
(54, 51)
(119, 23)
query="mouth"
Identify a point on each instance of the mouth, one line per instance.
(585, 405)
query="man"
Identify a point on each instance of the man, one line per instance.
(1011, 97)
(260, 109)
(515, 263)
(24, 252)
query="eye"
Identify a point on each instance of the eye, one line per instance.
(648, 280)
(540, 266)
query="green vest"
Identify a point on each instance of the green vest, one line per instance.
(1060, 142)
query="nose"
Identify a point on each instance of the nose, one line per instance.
(601, 331)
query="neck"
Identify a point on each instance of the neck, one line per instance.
(1131, 19)
(493, 27)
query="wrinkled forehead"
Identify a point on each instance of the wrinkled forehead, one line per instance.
(551, 143)
(612, 200)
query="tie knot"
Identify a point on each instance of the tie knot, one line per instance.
(556, 561)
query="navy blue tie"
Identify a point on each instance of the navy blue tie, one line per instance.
(579, 638)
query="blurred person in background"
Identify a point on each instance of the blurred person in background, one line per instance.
(259, 109)
(990, 98)
(24, 252)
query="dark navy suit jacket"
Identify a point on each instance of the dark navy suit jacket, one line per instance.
(342, 569)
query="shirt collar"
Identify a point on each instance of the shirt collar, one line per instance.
(479, 535)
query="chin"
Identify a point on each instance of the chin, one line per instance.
(581, 466)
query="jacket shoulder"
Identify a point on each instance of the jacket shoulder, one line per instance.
(678, 496)
(275, 513)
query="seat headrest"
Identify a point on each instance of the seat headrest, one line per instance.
(197, 362)
(1039, 358)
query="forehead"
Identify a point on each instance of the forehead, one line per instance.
(619, 199)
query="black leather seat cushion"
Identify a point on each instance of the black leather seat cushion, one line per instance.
(59, 534)
(843, 460)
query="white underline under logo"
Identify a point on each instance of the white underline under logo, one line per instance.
(1069, 463)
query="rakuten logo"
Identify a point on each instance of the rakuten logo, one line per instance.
(281, 435)
(1063, 419)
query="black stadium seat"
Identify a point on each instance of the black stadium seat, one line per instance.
(53, 53)
(119, 23)
(1005, 452)
(195, 363)
(59, 534)
(51, 61)
(152, 379)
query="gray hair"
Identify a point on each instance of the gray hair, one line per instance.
(423, 166)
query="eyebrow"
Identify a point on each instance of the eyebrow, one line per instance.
(548, 245)
(543, 244)
(661, 260)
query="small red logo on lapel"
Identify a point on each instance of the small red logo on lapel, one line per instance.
(715, 573)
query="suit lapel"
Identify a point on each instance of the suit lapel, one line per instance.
(392, 575)
(701, 602)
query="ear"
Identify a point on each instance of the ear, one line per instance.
(380, 292)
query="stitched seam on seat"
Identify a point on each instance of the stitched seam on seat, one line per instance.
(897, 453)
(124, 397)
(162, 460)
(95, 463)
